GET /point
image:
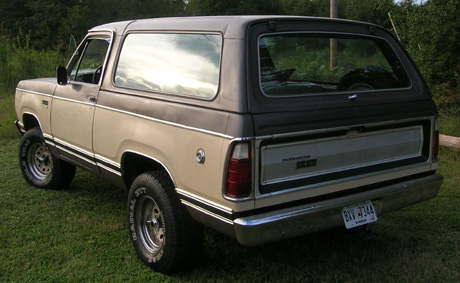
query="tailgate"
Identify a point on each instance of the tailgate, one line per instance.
(337, 155)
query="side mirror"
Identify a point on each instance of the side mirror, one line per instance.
(61, 74)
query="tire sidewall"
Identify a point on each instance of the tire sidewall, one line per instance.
(31, 138)
(147, 186)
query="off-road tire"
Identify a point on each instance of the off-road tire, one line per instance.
(39, 166)
(163, 234)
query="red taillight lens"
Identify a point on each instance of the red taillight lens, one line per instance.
(239, 171)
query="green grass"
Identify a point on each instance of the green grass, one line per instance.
(7, 117)
(81, 234)
(450, 125)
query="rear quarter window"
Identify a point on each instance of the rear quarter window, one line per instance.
(181, 64)
(297, 64)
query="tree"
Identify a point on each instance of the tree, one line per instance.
(431, 33)
(233, 7)
(371, 11)
(40, 18)
(317, 8)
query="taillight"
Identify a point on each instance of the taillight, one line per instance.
(435, 146)
(239, 171)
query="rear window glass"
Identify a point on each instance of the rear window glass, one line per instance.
(183, 64)
(295, 64)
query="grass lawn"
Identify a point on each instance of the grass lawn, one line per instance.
(81, 234)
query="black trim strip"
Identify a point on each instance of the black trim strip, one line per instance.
(82, 155)
(75, 152)
(49, 140)
(108, 165)
(204, 206)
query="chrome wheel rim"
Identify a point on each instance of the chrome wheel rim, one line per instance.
(151, 225)
(39, 161)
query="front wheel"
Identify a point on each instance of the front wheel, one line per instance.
(39, 166)
(163, 234)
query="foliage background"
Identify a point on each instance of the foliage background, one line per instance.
(33, 31)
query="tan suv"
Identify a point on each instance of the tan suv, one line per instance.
(246, 124)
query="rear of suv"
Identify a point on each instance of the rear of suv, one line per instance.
(261, 127)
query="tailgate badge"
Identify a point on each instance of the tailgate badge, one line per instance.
(306, 163)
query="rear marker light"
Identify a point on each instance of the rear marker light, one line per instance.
(436, 145)
(239, 171)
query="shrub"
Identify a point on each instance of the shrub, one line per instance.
(19, 61)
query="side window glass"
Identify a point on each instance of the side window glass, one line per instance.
(88, 66)
(181, 64)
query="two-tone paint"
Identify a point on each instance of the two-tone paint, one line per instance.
(117, 132)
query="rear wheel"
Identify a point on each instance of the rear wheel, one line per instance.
(39, 166)
(163, 234)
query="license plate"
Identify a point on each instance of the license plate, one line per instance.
(359, 214)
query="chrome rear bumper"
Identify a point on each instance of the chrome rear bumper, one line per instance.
(313, 217)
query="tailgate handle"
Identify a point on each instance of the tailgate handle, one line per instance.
(353, 97)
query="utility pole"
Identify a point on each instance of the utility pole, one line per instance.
(333, 44)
